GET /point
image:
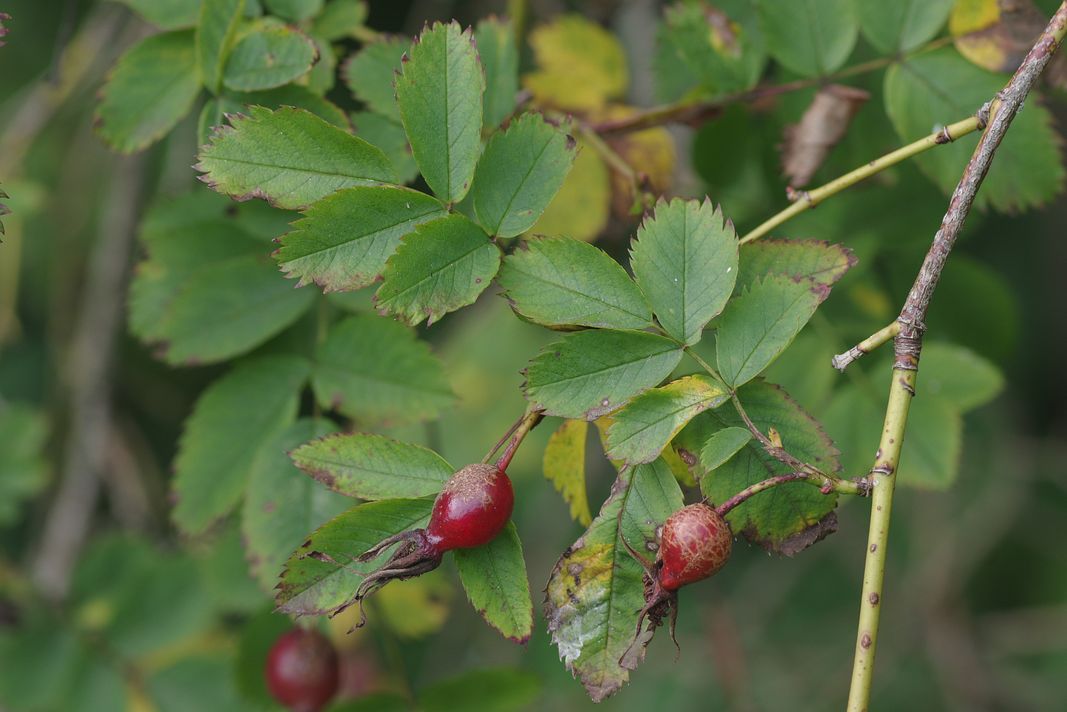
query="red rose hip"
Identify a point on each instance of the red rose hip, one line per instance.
(302, 671)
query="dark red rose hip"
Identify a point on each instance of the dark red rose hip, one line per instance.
(302, 670)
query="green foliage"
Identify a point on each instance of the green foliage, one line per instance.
(340, 19)
(901, 26)
(295, 10)
(556, 281)
(231, 421)
(289, 157)
(215, 34)
(376, 370)
(367, 466)
(645, 426)
(439, 267)
(499, 54)
(267, 58)
(439, 93)
(812, 38)
(685, 260)
(148, 92)
(759, 324)
(343, 241)
(388, 135)
(166, 14)
(494, 577)
(519, 174)
(23, 468)
(821, 262)
(564, 467)
(723, 445)
(595, 591)
(591, 373)
(491, 690)
(942, 86)
(369, 74)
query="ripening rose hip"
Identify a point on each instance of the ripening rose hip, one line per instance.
(302, 670)
(693, 544)
(470, 511)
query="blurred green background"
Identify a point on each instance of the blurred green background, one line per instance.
(975, 611)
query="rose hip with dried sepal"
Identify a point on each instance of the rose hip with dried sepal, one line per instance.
(693, 544)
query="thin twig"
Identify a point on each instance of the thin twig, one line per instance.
(872, 342)
(724, 508)
(528, 423)
(908, 346)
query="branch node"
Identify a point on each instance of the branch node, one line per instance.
(944, 136)
(983, 114)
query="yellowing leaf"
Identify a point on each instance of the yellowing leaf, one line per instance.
(416, 608)
(581, 65)
(580, 208)
(564, 467)
(993, 37)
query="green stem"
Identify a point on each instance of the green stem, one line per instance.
(872, 342)
(807, 199)
(704, 364)
(519, 432)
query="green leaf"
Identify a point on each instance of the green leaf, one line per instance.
(564, 467)
(289, 157)
(903, 25)
(370, 73)
(645, 426)
(228, 426)
(166, 14)
(499, 54)
(813, 37)
(321, 577)
(591, 373)
(148, 92)
(388, 135)
(289, 95)
(227, 309)
(784, 519)
(596, 589)
(580, 65)
(23, 467)
(818, 260)
(759, 324)
(499, 690)
(722, 446)
(519, 174)
(939, 87)
(582, 206)
(685, 260)
(439, 92)
(343, 241)
(494, 577)
(557, 281)
(440, 267)
(268, 58)
(377, 371)
(215, 32)
(282, 505)
(295, 10)
(340, 19)
(958, 375)
(368, 466)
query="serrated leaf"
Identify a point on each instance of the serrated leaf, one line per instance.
(150, 89)
(388, 135)
(903, 25)
(499, 690)
(591, 373)
(494, 577)
(321, 577)
(228, 308)
(580, 65)
(377, 371)
(519, 173)
(268, 58)
(166, 14)
(820, 261)
(343, 241)
(596, 590)
(557, 281)
(582, 206)
(939, 87)
(722, 446)
(23, 467)
(371, 71)
(440, 267)
(958, 375)
(814, 37)
(282, 505)
(215, 33)
(288, 95)
(685, 261)
(340, 19)
(439, 92)
(229, 424)
(368, 466)
(289, 157)
(499, 54)
(564, 467)
(784, 519)
(757, 326)
(645, 426)
(295, 10)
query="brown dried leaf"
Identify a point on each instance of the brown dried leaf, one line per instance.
(820, 129)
